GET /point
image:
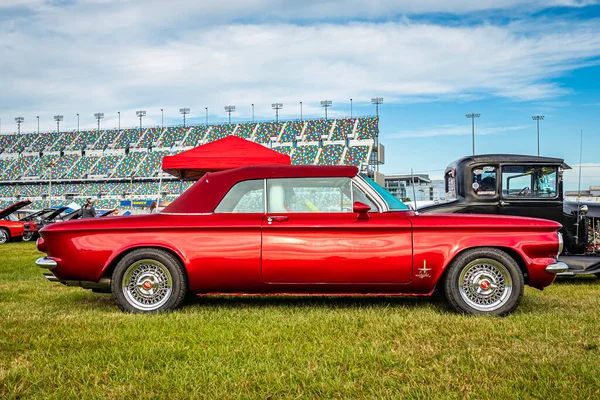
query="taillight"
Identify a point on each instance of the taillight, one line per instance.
(41, 245)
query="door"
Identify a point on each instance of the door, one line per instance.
(531, 191)
(310, 235)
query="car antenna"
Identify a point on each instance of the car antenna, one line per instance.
(412, 178)
(579, 187)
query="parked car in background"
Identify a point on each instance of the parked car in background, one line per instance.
(10, 226)
(301, 230)
(42, 218)
(529, 186)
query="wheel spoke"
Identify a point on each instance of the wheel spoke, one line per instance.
(147, 284)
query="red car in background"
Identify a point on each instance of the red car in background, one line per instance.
(301, 230)
(10, 226)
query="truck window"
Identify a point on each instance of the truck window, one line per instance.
(484, 180)
(450, 185)
(529, 181)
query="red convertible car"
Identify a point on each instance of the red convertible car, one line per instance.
(11, 228)
(301, 230)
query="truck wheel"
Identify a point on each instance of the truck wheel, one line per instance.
(484, 281)
(149, 280)
(4, 236)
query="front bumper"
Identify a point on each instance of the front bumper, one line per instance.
(557, 268)
(46, 262)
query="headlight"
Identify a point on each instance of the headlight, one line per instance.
(560, 243)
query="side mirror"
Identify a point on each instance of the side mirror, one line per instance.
(361, 209)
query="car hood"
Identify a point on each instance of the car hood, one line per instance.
(14, 207)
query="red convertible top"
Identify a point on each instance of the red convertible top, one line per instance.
(205, 195)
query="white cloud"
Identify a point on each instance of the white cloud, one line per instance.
(96, 56)
(590, 176)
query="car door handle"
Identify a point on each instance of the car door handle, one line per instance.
(504, 203)
(276, 218)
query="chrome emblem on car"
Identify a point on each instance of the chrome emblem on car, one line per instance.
(424, 271)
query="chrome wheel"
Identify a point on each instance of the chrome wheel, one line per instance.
(485, 284)
(3, 236)
(147, 285)
(27, 236)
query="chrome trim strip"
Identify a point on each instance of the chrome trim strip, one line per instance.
(561, 243)
(557, 268)
(50, 276)
(370, 193)
(45, 262)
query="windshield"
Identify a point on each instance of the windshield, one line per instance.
(393, 203)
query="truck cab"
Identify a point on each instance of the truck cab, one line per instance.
(526, 186)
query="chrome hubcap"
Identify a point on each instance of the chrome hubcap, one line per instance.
(27, 237)
(147, 284)
(3, 236)
(485, 284)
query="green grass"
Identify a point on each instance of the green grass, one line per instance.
(61, 342)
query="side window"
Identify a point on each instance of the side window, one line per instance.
(484, 180)
(309, 195)
(357, 195)
(450, 185)
(529, 181)
(244, 197)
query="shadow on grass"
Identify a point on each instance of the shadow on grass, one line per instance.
(587, 280)
(317, 301)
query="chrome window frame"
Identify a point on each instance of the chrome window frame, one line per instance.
(371, 194)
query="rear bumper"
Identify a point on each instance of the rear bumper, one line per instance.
(557, 268)
(48, 264)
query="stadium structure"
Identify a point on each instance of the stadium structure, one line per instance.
(120, 167)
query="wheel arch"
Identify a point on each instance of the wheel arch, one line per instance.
(515, 255)
(112, 264)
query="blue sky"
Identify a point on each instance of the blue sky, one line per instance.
(431, 60)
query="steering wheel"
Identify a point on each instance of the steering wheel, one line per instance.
(524, 191)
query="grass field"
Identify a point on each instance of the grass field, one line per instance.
(60, 342)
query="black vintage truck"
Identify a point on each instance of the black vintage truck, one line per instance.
(527, 186)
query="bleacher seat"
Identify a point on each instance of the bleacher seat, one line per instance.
(87, 139)
(128, 165)
(64, 141)
(343, 129)
(105, 165)
(219, 132)
(305, 155)
(331, 154)
(195, 136)
(129, 137)
(81, 168)
(266, 131)
(315, 128)
(292, 130)
(152, 135)
(367, 128)
(8, 143)
(150, 166)
(284, 149)
(245, 130)
(356, 155)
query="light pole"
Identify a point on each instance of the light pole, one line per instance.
(538, 118)
(206, 108)
(77, 123)
(377, 101)
(19, 121)
(38, 121)
(473, 116)
(326, 104)
(119, 112)
(99, 116)
(300, 111)
(350, 108)
(230, 109)
(184, 111)
(141, 114)
(162, 120)
(252, 112)
(277, 107)
(58, 118)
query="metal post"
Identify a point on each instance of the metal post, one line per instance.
(277, 107)
(38, 121)
(162, 120)
(473, 116)
(78, 123)
(252, 112)
(58, 118)
(350, 107)
(229, 110)
(119, 122)
(538, 118)
(326, 104)
(301, 111)
(19, 120)
(206, 108)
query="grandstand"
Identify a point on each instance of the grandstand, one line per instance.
(115, 165)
